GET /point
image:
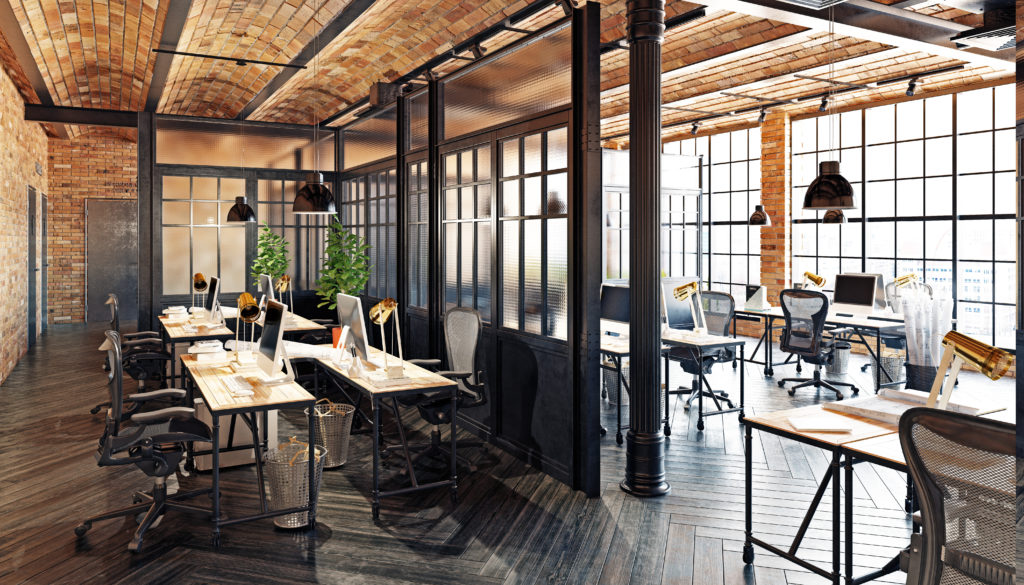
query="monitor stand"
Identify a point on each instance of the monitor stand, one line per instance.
(280, 378)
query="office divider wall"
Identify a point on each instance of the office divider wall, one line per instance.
(485, 152)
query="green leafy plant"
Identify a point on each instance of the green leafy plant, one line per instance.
(346, 266)
(271, 255)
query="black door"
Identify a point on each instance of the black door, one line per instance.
(111, 258)
(33, 268)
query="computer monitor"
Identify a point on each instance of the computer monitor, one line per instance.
(267, 287)
(270, 351)
(615, 302)
(854, 294)
(350, 315)
(211, 297)
(678, 314)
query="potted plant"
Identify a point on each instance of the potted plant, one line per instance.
(346, 266)
(271, 255)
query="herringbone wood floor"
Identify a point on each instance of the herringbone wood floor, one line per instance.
(512, 524)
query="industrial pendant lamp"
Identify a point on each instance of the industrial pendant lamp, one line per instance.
(760, 217)
(834, 216)
(241, 211)
(315, 198)
(830, 190)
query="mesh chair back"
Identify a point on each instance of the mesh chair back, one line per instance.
(963, 467)
(718, 311)
(114, 378)
(115, 321)
(805, 312)
(462, 328)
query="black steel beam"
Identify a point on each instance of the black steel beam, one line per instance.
(645, 442)
(85, 116)
(585, 227)
(329, 32)
(174, 23)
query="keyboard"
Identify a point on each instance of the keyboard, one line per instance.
(238, 385)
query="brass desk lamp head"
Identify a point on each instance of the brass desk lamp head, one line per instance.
(248, 310)
(684, 292)
(818, 281)
(905, 280)
(381, 312)
(283, 283)
(992, 361)
(199, 283)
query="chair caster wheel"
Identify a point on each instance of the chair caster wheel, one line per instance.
(792, 392)
(94, 410)
(81, 529)
(730, 404)
(855, 390)
(748, 554)
(135, 545)
(136, 499)
(782, 384)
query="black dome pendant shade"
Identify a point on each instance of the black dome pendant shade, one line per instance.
(834, 216)
(829, 190)
(759, 217)
(241, 211)
(314, 197)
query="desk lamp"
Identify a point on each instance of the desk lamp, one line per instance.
(812, 278)
(248, 312)
(379, 314)
(199, 285)
(284, 284)
(908, 280)
(957, 349)
(690, 292)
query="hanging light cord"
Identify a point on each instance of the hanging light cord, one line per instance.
(316, 96)
(831, 81)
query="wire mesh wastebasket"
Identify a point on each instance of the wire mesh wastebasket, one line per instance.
(892, 364)
(921, 377)
(288, 475)
(333, 429)
(611, 382)
(840, 358)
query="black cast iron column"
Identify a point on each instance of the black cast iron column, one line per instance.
(645, 443)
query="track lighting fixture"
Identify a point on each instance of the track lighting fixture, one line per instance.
(824, 104)
(912, 87)
(762, 115)
(693, 130)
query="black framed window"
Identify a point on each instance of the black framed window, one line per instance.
(417, 220)
(195, 237)
(938, 184)
(466, 229)
(381, 232)
(534, 231)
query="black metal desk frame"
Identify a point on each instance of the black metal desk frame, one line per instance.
(248, 415)
(376, 405)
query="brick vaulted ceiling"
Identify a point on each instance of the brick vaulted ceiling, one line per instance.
(99, 54)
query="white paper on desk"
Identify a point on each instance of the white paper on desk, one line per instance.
(229, 312)
(306, 350)
(817, 423)
(880, 408)
(957, 403)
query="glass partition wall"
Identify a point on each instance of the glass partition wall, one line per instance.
(486, 158)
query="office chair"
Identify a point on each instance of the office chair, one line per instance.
(156, 444)
(719, 308)
(462, 329)
(803, 335)
(963, 469)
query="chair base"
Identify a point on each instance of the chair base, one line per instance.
(437, 448)
(817, 382)
(154, 505)
(716, 396)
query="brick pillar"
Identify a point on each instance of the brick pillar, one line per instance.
(775, 187)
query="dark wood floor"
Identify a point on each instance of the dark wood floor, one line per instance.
(512, 524)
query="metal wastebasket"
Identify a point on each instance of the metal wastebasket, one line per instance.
(333, 429)
(921, 377)
(892, 364)
(288, 478)
(840, 359)
(610, 379)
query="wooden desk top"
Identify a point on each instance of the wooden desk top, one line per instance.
(419, 379)
(879, 320)
(863, 428)
(299, 323)
(219, 399)
(176, 330)
(688, 339)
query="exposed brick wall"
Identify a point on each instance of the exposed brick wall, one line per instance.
(87, 167)
(24, 146)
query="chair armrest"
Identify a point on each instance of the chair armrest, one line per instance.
(454, 375)
(156, 394)
(142, 342)
(162, 415)
(426, 363)
(138, 334)
(146, 355)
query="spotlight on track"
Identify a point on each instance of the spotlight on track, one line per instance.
(824, 104)
(693, 129)
(762, 115)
